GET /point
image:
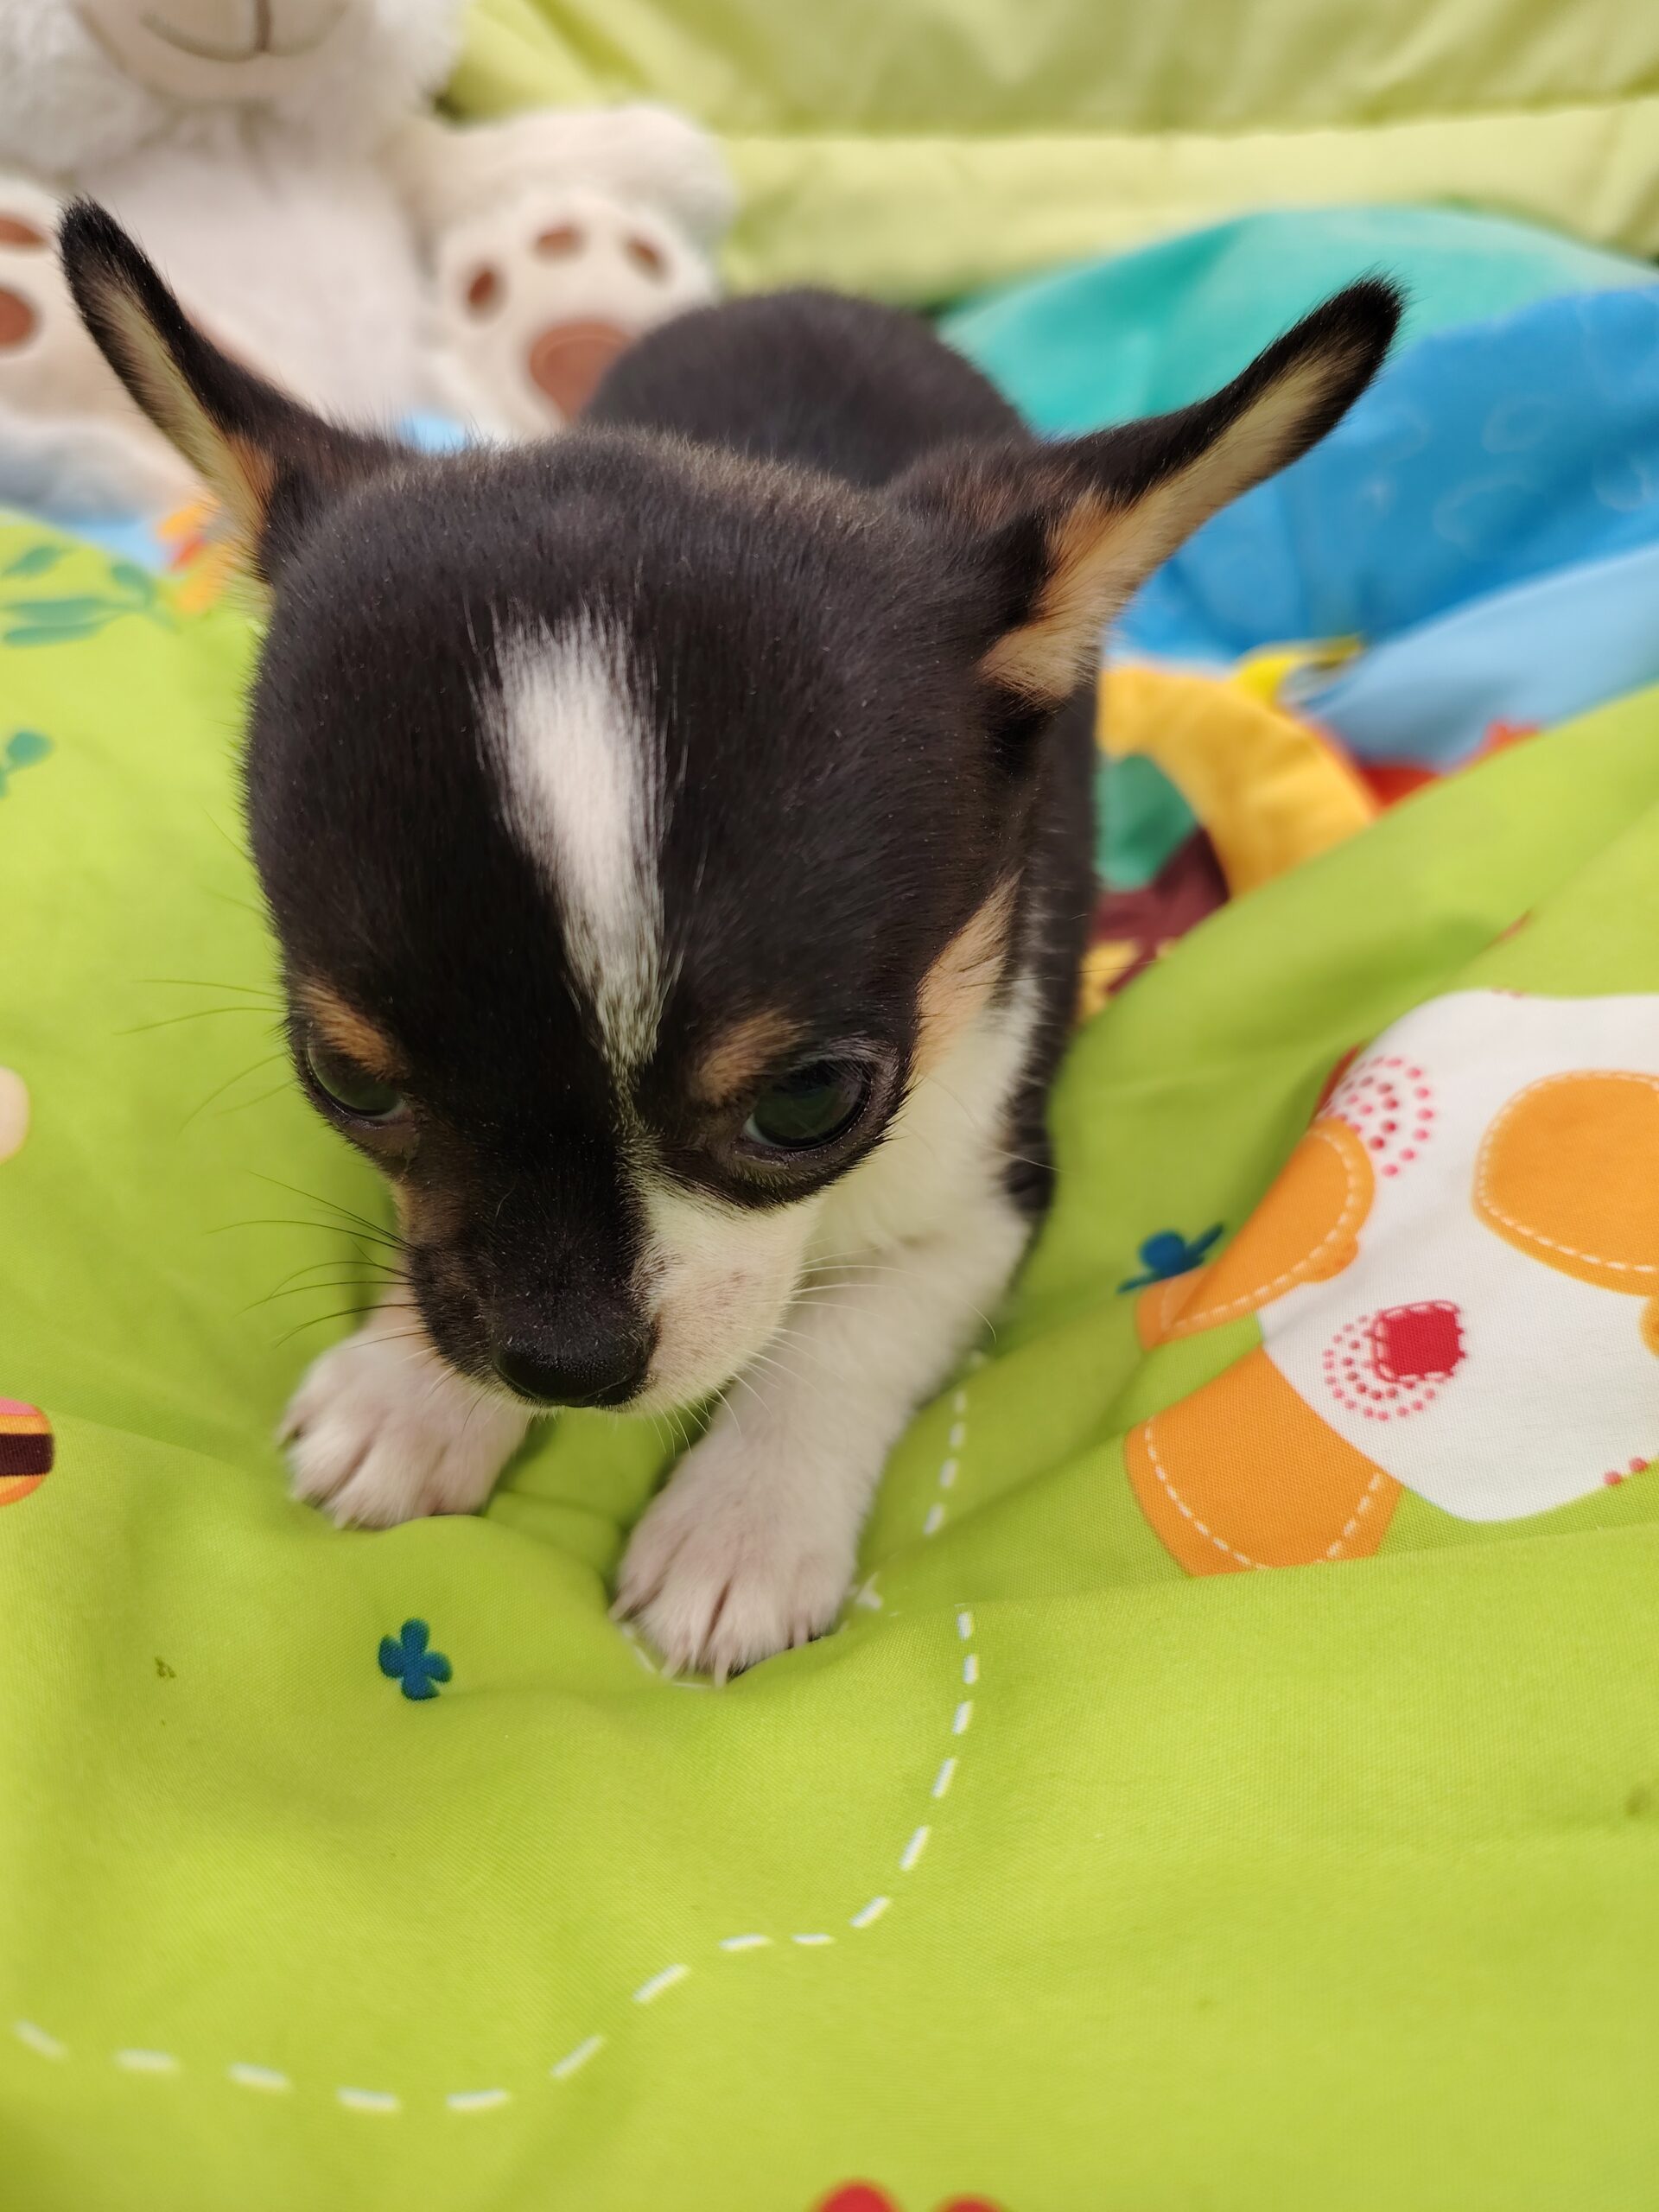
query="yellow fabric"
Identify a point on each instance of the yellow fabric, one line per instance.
(919, 148)
(1103, 965)
(1263, 675)
(1268, 788)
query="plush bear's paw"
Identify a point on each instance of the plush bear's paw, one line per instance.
(381, 1431)
(538, 296)
(72, 439)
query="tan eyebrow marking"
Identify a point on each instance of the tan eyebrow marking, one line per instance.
(348, 1032)
(740, 1055)
(962, 978)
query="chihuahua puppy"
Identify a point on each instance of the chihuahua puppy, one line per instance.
(678, 834)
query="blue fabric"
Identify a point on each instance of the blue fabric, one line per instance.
(1137, 333)
(125, 537)
(436, 433)
(1481, 458)
(1538, 654)
(1485, 521)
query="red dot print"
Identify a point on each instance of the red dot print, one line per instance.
(1419, 1342)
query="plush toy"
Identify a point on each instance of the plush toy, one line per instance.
(554, 241)
(277, 157)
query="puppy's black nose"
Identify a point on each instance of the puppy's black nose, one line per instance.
(574, 1370)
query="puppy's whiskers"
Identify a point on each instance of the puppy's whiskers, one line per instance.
(230, 1084)
(195, 1013)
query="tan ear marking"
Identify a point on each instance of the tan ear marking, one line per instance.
(1039, 659)
(349, 1032)
(241, 476)
(270, 463)
(1104, 537)
(960, 982)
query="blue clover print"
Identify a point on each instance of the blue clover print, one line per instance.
(22, 750)
(1168, 1253)
(411, 1665)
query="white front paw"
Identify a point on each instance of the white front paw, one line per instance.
(381, 1431)
(738, 1559)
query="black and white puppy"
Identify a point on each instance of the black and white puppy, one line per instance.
(678, 838)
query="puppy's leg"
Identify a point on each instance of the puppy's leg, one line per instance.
(751, 1546)
(382, 1430)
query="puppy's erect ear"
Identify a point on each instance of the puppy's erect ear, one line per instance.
(1070, 530)
(270, 463)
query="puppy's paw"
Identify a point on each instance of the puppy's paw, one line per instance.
(381, 1431)
(734, 1562)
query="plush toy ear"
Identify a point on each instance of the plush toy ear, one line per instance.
(1070, 530)
(270, 463)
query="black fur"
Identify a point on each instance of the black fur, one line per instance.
(809, 522)
(838, 810)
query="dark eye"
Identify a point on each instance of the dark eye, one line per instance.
(810, 1108)
(352, 1089)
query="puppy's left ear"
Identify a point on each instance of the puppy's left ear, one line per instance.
(272, 464)
(1065, 533)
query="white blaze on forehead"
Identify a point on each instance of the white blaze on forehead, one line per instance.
(583, 783)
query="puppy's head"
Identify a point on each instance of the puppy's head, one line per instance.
(644, 827)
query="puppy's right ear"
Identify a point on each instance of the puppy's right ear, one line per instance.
(1066, 532)
(272, 463)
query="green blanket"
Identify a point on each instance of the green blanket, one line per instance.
(921, 148)
(373, 1871)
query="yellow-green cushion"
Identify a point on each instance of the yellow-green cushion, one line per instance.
(1055, 1878)
(921, 148)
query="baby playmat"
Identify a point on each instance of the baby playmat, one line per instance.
(1085, 1862)
(1235, 1779)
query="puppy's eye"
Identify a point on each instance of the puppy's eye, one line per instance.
(809, 1108)
(352, 1089)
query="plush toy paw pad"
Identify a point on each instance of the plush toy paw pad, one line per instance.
(568, 360)
(536, 298)
(26, 269)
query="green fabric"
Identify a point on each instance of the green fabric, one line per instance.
(1161, 327)
(1141, 822)
(1328, 1887)
(923, 149)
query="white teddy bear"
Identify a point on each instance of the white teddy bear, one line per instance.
(276, 157)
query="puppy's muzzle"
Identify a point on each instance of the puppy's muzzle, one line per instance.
(579, 1359)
